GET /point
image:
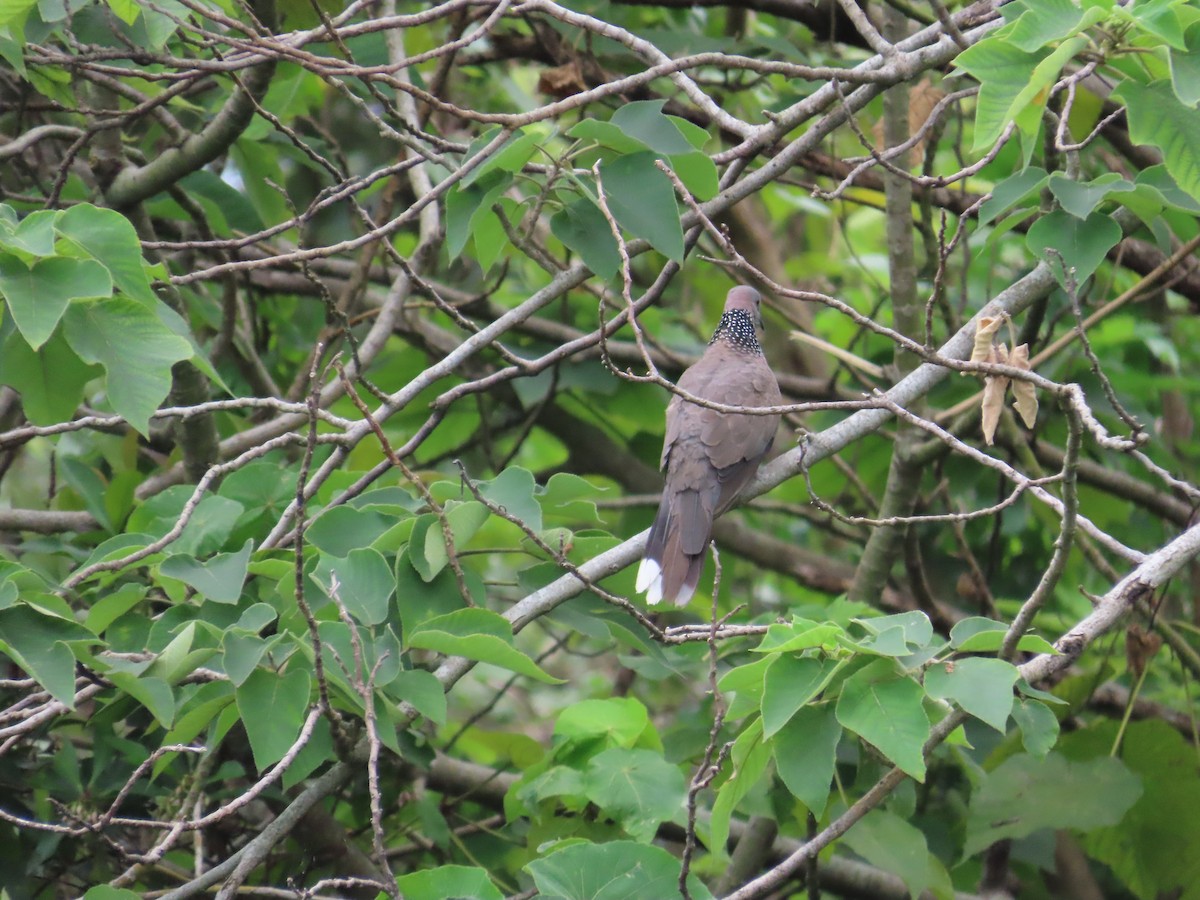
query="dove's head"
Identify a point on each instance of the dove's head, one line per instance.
(748, 300)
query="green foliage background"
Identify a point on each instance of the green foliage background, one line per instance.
(326, 443)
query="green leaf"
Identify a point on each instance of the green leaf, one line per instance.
(1003, 72)
(888, 714)
(1038, 724)
(1080, 245)
(87, 483)
(1160, 18)
(178, 659)
(112, 606)
(886, 643)
(891, 843)
(464, 519)
(152, 692)
(915, 626)
(223, 200)
(1026, 794)
(294, 92)
(126, 10)
(153, 28)
(489, 237)
(614, 721)
(38, 295)
(976, 634)
(698, 174)
(37, 643)
(477, 634)
(207, 529)
(696, 136)
(1011, 191)
(789, 684)
(606, 134)
(194, 716)
(1030, 103)
(1152, 847)
(320, 749)
(1185, 67)
(983, 687)
(642, 201)
(511, 157)
(644, 121)
(50, 380)
(806, 753)
(1158, 179)
(448, 881)
(109, 238)
(342, 529)
(256, 617)
(104, 892)
(799, 635)
(272, 707)
(423, 691)
(12, 41)
(33, 235)
(263, 488)
(365, 583)
(218, 578)
(989, 640)
(1080, 198)
(581, 227)
(618, 870)
(748, 760)
(965, 629)
(242, 653)
(569, 499)
(418, 600)
(1157, 117)
(513, 489)
(637, 788)
(416, 545)
(749, 678)
(1045, 21)
(136, 349)
(465, 204)
(1026, 690)
(379, 653)
(556, 781)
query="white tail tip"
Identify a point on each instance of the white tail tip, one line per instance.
(648, 573)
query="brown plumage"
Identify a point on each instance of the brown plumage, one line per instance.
(709, 456)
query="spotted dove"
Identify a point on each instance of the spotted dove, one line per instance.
(709, 455)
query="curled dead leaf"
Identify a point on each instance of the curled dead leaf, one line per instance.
(922, 98)
(985, 332)
(1140, 647)
(562, 81)
(994, 388)
(1025, 394)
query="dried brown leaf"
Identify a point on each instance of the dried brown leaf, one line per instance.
(921, 101)
(922, 98)
(985, 331)
(562, 81)
(994, 388)
(1024, 393)
(1141, 646)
